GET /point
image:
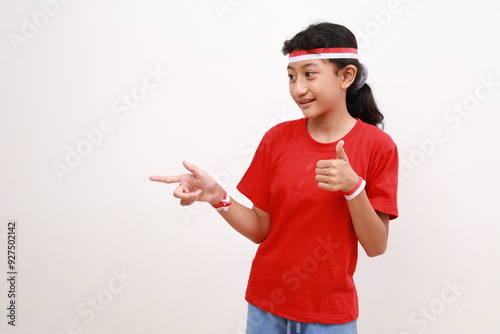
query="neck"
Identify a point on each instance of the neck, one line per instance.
(330, 127)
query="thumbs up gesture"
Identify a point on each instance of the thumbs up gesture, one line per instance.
(336, 174)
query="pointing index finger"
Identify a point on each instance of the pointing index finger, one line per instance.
(165, 179)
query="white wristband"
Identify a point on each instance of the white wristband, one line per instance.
(357, 191)
(224, 204)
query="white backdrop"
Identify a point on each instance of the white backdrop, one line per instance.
(95, 96)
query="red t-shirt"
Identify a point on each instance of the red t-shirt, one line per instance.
(304, 269)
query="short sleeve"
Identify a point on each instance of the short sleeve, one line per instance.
(255, 184)
(382, 183)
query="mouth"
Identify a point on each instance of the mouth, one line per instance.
(304, 103)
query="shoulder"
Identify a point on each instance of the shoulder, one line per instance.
(279, 135)
(287, 125)
(284, 130)
(376, 137)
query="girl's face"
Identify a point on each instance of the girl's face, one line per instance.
(317, 87)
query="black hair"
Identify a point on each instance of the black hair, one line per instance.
(360, 101)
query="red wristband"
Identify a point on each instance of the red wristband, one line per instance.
(350, 192)
(356, 189)
(224, 204)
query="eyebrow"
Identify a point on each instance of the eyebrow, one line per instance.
(289, 67)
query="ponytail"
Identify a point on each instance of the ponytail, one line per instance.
(361, 104)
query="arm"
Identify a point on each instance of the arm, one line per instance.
(252, 223)
(371, 227)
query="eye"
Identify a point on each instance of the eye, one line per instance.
(291, 76)
(309, 74)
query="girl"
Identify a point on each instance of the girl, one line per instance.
(318, 185)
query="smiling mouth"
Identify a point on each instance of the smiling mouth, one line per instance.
(304, 103)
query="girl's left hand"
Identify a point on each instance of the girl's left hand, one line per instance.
(336, 174)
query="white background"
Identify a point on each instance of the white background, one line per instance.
(221, 82)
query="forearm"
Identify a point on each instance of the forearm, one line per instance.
(370, 228)
(246, 221)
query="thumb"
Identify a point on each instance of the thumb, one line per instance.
(341, 155)
(192, 168)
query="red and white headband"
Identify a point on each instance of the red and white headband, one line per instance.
(323, 53)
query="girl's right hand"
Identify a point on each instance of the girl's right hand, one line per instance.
(195, 186)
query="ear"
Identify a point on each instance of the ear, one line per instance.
(348, 76)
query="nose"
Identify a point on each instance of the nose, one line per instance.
(299, 87)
